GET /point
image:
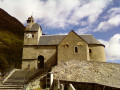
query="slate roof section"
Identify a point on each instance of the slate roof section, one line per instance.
(90, 39)
(51, 40)
(56, 39)
(35, 27)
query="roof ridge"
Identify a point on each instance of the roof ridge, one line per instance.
(53, 35)
(84, 34)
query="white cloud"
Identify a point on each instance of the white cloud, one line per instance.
(56, 13)
(112, 48)
(61, 34)
(115, 21)
(103, 26)
(92, 9)
(114, 11)
(112, 21)
(83, 30)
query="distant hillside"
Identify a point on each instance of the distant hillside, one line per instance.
(11, 40)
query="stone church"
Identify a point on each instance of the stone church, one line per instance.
(44, 51)
(62, 62)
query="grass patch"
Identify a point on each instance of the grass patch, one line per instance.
(10, 51)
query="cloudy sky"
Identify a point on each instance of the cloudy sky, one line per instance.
(98, 17)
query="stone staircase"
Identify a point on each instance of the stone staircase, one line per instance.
(11, 87)
(34, 81)
(18, 79)
(38, 75)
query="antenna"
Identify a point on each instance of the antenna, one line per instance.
(32, 14)
(32, 17)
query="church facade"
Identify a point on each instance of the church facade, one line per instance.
(44, 51)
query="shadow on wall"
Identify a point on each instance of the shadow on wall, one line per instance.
(86, 86)
(52, 61)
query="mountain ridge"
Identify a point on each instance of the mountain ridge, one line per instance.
(9, 22)
(11, 41)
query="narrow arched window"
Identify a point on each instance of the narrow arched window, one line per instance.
(76, 49)
(32, 35)
(90, 51)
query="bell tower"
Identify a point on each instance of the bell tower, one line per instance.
(32, 32)
(30, 22)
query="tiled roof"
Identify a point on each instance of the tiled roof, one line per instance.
(35, 27)
(51, 40)
(56, 39)
(90, 39)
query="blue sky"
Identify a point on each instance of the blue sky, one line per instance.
(98, 17)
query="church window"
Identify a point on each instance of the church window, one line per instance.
(32, 35)
(90, 51)
(76, 49)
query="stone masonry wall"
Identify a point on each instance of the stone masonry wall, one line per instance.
(97, 53)
(92, 72)
(67, 52)
(32, 52)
